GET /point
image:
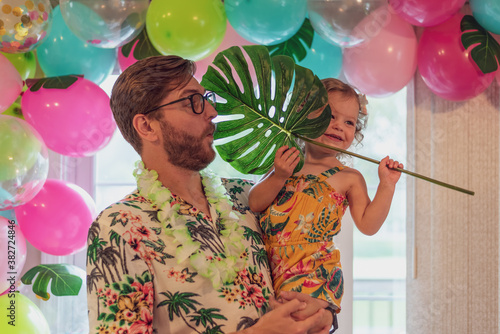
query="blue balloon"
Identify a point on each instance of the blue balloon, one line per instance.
(62, 53)
(487, 14)
(266, 22)
(324, 59)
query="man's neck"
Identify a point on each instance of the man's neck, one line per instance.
(182, 182)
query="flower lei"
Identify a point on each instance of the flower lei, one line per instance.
(220, 267)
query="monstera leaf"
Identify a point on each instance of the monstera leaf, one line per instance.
(65, 280)
(486, 50)
(287, 100)
(294, 46)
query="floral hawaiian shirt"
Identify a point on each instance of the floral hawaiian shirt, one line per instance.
(135, 286)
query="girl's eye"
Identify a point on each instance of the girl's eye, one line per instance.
(350, 123)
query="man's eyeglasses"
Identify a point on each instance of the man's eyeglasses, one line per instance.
(197, 102)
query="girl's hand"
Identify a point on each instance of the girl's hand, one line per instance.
(285, 161)
(386, 171)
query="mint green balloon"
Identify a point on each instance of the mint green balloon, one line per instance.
(191, 32)
(25, 63)
(23, 313)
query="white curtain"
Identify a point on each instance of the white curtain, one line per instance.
(453, 248)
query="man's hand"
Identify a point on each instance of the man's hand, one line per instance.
(313, 307)
(280, 320)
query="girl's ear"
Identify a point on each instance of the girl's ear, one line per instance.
(147, 129)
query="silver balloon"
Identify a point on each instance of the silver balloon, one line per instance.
(24, 163)
(105, 23)
(337, 20)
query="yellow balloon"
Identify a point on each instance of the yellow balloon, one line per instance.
(21, 315)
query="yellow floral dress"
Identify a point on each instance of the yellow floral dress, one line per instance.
(298, 229)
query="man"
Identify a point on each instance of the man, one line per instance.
(173, 256)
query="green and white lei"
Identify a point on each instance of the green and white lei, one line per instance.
(222, 267)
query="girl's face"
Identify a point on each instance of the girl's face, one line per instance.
(345, 110)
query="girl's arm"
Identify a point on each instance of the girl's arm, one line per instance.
(263, 193)
(370, 215)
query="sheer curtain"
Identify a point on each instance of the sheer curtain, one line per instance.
(452, 245)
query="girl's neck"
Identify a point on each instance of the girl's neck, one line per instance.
(316, 164)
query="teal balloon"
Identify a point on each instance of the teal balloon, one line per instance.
(9, 214)
(487, 14)
(266, 22)
(62, 53)
(324, 58)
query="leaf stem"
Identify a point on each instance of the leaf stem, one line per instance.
(420, 176)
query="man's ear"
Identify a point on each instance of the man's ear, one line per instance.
(146, 128)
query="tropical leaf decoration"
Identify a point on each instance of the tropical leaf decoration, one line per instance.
(64, 279)
(60, 82)
(294, 46)
(141, 46)
(259, 118)
(485, 49)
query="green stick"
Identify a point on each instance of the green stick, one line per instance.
(420, 176)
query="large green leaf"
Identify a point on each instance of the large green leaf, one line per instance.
(294, 46)
(267, 115)
(65, 280)
(486, 50)
(141, 45)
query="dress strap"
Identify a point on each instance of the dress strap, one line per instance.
(326, 174)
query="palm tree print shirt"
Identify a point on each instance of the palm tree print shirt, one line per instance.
(134, 284)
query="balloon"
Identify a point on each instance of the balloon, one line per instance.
(426, 13)
(191, 32)
(14, 110)
(24, 162)
(57, 220)
(336, 20)
(231, 38)
(385, 63)
(9, 214)
(25, 63)
(75, 120)
(266, 22)
(23, 24)
(62, 53)
(445, 66)
(105, 23)
(487, 14)
(139, 48)
(12, 256)
(11, 83)
(324, 58)
(21, 315)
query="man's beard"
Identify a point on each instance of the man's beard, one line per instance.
(185, 150)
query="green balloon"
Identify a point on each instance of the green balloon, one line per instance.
(25, 63)
(20, 147)
(21, 315)
(14, 110)
(192, 32)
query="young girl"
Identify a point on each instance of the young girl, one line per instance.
(302, 212)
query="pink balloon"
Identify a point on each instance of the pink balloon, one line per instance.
(11, 83)
(426, 13)
(12, 254)
(74, 121)
(386, 62)
(57, 220)
(231, 38)
(445, 66)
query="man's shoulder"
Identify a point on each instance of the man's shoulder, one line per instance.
(129, 207)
